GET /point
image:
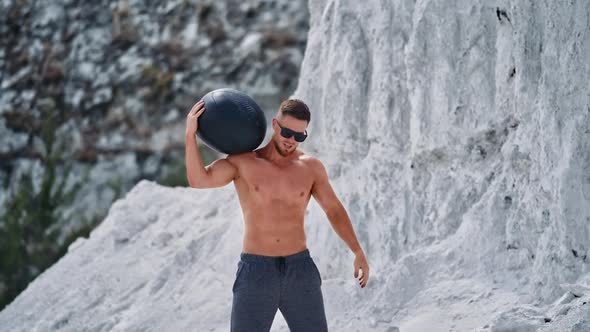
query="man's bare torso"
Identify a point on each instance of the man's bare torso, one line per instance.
(274, 200)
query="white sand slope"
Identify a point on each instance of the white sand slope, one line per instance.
(457, 135)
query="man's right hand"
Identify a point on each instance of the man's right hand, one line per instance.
(193, 115)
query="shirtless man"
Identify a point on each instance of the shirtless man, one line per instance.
(274, 185)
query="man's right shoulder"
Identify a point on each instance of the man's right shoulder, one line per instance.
(240, 157)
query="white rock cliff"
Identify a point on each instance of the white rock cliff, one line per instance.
(457, 135)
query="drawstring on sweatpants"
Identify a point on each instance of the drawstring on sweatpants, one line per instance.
(281, 263)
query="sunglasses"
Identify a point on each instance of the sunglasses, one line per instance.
(287, 133)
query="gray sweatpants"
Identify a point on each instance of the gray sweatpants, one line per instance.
(290, 283)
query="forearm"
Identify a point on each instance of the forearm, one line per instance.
(343, 227)
(195, 169)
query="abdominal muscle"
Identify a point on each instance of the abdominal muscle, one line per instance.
(273, 235)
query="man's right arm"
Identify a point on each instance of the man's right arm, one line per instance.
(217, 174)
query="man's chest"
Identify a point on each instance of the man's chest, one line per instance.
(266, 181)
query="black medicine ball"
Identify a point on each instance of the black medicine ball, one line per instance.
(232, 122)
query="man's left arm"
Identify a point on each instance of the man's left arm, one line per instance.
(324, 194)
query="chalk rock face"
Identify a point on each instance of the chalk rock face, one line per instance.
(457, 136)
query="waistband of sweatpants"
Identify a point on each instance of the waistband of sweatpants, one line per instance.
(247, 257)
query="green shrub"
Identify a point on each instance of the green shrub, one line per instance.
(32, 232)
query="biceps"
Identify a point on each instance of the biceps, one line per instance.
(219, 173)
(326, 197)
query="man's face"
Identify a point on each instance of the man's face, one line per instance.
(286, 146)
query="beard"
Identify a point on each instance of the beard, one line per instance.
(282, 152)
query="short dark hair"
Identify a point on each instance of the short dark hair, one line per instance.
(295, 108)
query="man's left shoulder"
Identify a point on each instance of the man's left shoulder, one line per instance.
(307, 158)
(313, 162)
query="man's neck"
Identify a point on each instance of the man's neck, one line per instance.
(270, 153)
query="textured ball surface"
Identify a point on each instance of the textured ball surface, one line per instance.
(232, 122)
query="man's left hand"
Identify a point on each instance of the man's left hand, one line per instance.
(360, 262)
